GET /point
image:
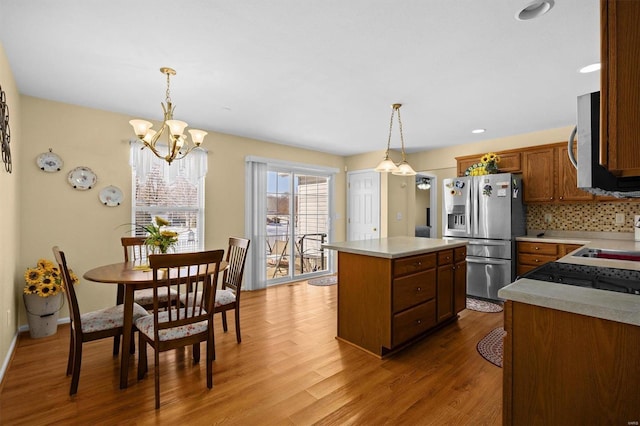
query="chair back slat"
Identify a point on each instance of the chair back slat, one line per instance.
(185, 272)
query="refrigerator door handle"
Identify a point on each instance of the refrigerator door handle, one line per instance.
(487, 261)
(486, 243)
(469, 208)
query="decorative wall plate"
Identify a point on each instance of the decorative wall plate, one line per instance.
(82, 178)
(111, 196)
(49, 162)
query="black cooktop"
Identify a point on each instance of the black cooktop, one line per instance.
(612, 279)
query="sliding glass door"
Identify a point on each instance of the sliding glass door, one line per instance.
(297, 224)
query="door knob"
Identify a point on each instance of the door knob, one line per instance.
(375, 229)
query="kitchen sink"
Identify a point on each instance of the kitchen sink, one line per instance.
(608, 254)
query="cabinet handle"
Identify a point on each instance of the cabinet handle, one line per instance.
(537, 248)
(418, 321)
(418, 289)
(537, 260)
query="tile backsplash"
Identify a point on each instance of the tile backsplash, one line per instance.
(600, 217)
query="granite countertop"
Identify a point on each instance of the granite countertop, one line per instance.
(394, 247)
(603, 304)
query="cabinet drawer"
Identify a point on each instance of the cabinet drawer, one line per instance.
(408, 265)
(459, 254)
(534, 259)
(523, 269)
(445, 257)
(413, 289)
(541, 248)
(414, 321)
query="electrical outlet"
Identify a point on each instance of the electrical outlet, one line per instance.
(8, 317)
(619, 218)
(548, 218)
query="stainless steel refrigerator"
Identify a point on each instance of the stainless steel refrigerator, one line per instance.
(488, 212)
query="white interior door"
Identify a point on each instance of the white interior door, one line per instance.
(363, 205)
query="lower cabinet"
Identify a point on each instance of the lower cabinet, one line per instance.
(534, 254)
(561, 368)
(385, 304)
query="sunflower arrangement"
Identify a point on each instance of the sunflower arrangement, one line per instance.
(45, 279)
(490, 161)
(163, 239)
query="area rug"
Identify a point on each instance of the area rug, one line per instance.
(491, 345)
(482, 305)
(327, 280)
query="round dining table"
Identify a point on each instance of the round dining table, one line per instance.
(129, 276)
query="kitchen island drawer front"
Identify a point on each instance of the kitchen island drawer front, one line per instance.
(459, 254)
(413, 322)
(541, 248)
(534, 259)
(413, 289)
(408, 265)
(445, 257)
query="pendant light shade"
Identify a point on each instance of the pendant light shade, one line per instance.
(387, 165)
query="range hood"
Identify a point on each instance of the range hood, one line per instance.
(592, 176)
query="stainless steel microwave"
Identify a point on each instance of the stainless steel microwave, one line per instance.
(592, 176)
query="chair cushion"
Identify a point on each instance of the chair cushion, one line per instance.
(109, 318)
(223, 297)
(144, 297)
(145, 325)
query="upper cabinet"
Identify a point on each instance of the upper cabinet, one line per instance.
(509, 162)
(620, 86)
(538, 174)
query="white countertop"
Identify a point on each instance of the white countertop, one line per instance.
(394, 247)
(603, 304)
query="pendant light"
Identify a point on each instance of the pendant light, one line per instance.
(387, 165)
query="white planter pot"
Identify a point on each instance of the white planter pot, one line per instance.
(42, 313)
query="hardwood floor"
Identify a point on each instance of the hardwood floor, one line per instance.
(288, 370)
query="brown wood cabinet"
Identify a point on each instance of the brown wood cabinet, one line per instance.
(533, 254)
(459, 279)
(445, 285)
(567, 183)
(620, 86)
(385, 304)
(547, 174)
(561, 368)
(538, 174)
(510, 162)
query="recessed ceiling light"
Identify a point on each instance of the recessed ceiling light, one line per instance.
(534, 10)
(478, 130)
(590, 68)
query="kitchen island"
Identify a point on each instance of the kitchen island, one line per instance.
(570, 352)
(394, 291)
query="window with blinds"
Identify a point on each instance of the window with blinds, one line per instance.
(173, 191)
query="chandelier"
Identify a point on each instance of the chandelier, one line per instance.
(177, 144)
(423, 183)
(386, 165)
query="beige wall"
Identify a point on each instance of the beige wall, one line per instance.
(10, 295)
(56, 214)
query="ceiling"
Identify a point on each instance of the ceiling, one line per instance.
(320, 74)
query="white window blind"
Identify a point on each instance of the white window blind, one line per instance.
(173, 191)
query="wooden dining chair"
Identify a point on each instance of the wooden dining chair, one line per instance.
(180, 325)
(89, 326)
(228, 296)
(135, 250)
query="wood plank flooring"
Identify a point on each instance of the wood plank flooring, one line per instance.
(288, 370)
